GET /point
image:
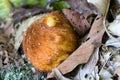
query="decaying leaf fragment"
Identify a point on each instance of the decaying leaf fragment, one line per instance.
(115, 8)
(81, 14)
(117, 71)
(102, 5)
(83, 7)
(79, 22)
(89, 67)
(114, 27)
(112, 42)
(25, 12)
(83, 53)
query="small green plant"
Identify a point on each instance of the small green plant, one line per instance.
(59, 5)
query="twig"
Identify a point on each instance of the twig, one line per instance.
(58, 75)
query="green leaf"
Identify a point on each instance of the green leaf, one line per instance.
(5, 7)
(59, 5)
(32, 2)
(42, 3)
(17, 3)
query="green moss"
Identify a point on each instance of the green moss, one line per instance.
(20, 73)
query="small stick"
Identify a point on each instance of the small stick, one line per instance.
(58, 75)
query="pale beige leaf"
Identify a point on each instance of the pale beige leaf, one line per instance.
(102, 5)
(106, 75)
(114, 27)
(22, 29)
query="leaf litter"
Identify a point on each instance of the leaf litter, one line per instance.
(96, 60)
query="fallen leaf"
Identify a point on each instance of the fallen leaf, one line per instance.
(102, 5)
(3, 38)
(21, 61)
(117, 71)
(115, 8)
(112, 42)
(78, 21)
(85, 73)
(115, 58)
(6, 61)
(7, 27)
(95, 30)
(4, 42)
(58, 75)
(1, 51)
(114, 27)
(83, 53)
(25, 12)
(106, 75)
(83, 7)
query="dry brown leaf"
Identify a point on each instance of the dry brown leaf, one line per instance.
(8, 27)
(21, 61)
(6, 61)
(83, 7)
(83, 53)
(95, 30)
(115, 8)
(1, 52)
(79, 22)
(25, 12)
(114, 27)
(102, 5)
(112, 42)
(81, 14)
(88, 68)
(3, 38)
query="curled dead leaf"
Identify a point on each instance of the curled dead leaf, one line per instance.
(102, 5)
(95, 30)
(112, 42)
(58, 75)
